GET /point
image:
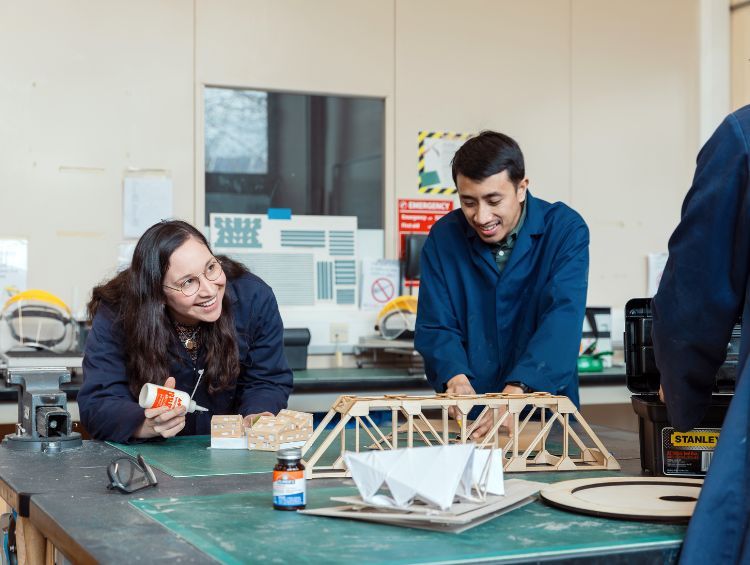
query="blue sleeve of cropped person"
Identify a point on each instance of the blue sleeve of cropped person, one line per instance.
(107, 408)
(705, 279)
(265, 380)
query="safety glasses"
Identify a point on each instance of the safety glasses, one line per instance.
(129, 475)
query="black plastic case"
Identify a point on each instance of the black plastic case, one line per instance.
(664, 451)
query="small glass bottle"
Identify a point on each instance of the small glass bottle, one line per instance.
(289, 480)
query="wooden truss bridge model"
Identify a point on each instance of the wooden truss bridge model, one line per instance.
(506, 411)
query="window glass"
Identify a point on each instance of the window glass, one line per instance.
(320, 155)
(236, 131)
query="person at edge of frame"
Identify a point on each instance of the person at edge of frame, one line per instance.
(179, 309)
(503, 283)
(703, 290)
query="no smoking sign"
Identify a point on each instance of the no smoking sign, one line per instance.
(383, 290)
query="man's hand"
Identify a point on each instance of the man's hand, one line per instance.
(486, 422)
(459, 384)
(162, 421)
(513, 389)
(661, 394)
(250, 419)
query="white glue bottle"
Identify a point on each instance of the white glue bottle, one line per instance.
(154, 396)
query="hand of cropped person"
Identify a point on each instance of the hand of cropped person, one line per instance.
(250, 419)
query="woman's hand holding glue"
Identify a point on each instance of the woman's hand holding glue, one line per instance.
(165, 410)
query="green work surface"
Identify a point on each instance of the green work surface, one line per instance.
(190, 456)
(239, 528)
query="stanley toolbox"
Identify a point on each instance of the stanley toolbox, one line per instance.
(665, 451)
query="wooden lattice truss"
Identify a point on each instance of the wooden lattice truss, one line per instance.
(506, 409)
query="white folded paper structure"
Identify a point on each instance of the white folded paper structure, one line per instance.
(434, 475)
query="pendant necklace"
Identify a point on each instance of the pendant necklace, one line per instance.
(189, 336)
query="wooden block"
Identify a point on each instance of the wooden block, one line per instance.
(227, 426)
(296, 419)
(271, 433)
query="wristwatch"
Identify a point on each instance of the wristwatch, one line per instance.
(523, 386)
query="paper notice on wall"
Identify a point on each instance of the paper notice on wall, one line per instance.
(147, 199)
(380, 280)
(125, 255)
(656, 264)
(14, 267)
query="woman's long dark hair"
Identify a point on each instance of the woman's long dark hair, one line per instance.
(137, 297)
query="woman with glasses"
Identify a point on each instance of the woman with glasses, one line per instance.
(181, 317)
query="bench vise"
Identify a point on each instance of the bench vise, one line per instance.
(44, 423)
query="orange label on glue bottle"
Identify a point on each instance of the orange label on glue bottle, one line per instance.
(166, 397)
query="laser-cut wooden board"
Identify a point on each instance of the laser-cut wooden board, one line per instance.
(658, 499)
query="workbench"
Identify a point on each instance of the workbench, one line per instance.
(229, 517)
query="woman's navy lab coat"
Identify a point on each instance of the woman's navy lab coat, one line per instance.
(110, 412)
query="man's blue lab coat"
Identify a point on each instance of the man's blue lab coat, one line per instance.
(523, 324)
(109, 411)
(703, 291)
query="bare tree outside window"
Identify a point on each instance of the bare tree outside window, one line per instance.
(236, 130)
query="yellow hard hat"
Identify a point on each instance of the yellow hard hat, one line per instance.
(397, 318)
(39, 296)
(38, 319)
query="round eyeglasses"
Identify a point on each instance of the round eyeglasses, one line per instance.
(191, 284)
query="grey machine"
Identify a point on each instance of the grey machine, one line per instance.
(44, 423)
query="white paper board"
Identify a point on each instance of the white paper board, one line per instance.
(146, 200)
(14, 266)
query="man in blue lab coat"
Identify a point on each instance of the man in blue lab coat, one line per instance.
(503, 285)
(702, 292)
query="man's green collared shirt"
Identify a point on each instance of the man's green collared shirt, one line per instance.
(501, 251)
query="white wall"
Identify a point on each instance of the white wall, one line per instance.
(603, 96)
(740, 59)
(89, 89)
(715, 64)
(634, 135)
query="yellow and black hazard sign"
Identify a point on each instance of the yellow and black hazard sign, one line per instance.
(436, 150)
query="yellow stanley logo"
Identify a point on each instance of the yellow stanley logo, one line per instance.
(695, 438)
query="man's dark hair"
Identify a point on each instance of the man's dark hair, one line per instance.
(487, 154)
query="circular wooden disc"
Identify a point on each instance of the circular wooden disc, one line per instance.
(653, 499)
